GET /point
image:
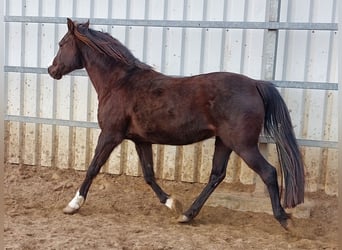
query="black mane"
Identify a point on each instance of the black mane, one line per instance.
(104, 43)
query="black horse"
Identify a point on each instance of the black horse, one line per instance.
(147, 107)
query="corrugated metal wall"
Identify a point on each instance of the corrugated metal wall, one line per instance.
(294, 43)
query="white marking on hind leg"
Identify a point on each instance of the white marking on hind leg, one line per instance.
(74, 204)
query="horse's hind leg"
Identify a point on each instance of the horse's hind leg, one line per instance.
(268, 174)
(144, 151)
(105, 145)
(218, 173)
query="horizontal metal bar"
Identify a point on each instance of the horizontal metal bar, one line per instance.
(181, 23)
(305, 142)
(37, 70)
(280, 84)
(306, 85)
(85, 124)
(28, 70)
(50, 121)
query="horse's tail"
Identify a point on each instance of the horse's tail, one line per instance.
(278, 125)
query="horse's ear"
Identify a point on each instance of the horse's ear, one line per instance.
(71, 25)
(86, 24)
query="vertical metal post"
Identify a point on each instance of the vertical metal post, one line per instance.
(22, 126)
(4, 88)
(128, 16)
(146, 31)
(89, 132)
(243, 39)
(340, 117)
(327, 101)
(54, 143)
(224, 36)
(203, 37)
(2, 109)
(38, 127)
(3, 103)
(72, 130)
(161, 148)
(268, 68)
(164, 37)
(185, 17)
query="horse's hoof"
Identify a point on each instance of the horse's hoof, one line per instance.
(183, 219)
(75, 204)
(175, 205)
(287, 223)
(70, 210)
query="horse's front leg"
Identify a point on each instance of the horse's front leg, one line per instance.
(144, 151)
(107, 141)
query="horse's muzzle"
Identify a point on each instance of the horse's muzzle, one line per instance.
(54, 73)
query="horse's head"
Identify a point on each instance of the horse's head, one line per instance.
(68, 57)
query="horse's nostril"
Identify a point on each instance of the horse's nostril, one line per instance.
(49, 70)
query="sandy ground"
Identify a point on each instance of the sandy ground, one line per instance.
(123, 213)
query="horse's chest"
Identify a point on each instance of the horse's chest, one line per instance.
(111, 114)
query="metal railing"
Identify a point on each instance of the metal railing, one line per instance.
(179, 24)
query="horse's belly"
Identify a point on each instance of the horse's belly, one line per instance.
(176, 123)
(179, 136)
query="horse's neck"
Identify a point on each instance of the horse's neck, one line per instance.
(105, 81)
(103, 78)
